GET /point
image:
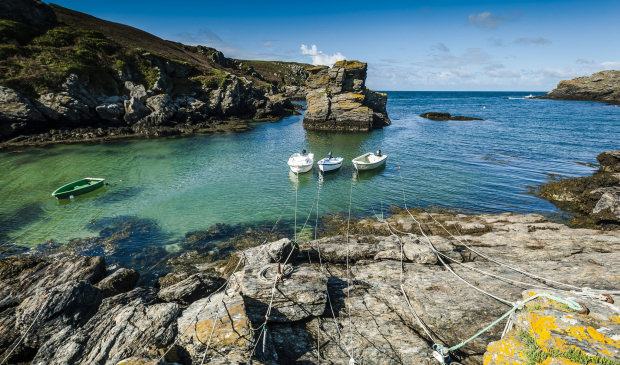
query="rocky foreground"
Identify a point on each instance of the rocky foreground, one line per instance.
(602, 86)
(595, 199)
(338, 99)
(72, 310)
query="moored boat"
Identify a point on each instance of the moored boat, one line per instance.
(330, 163)
(78, 187)
(369, 161)
(301, 162)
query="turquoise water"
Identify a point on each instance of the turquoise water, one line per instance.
(189, 184)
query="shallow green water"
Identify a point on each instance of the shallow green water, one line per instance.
(189, 184)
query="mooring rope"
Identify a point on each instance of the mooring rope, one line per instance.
(26, 332)
(352, 360)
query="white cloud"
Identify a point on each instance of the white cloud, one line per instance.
(610, 64)
(320, 58)
(485, 19)
(539, 40)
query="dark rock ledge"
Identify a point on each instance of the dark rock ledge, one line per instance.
(70, 310)
(595, 199)
(446, 116)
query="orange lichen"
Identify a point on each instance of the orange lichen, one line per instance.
(541, 328)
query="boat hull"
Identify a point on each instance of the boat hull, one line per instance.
(78, 187)
(301, 169)
(330, 164)
(369, 161)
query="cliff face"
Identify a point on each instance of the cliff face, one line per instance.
(338, 99)
(67, 76)
(602, 86)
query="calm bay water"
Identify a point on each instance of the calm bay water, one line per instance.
(189, 184)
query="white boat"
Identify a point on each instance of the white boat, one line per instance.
(301, 162)
(330, 164)
(530, 96)
(369, 161)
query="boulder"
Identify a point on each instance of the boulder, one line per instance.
(278, 251)
(120, 281)
(301, 294)
(17, 114)
(135, 110)
(609, 161)
(64, 106)
(190, 289)
(221, 322)
(603, 86)
(607, 208)
(112, 112)
(338, 100)
(136, 91)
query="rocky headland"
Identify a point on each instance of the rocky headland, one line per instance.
(73, 309)
(595, 199)
(447, 116)
(338, 99)
(603, 86)
(66, 76)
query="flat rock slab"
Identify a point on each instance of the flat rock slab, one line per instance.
(126, 325)
(301, 294)
(221, 321)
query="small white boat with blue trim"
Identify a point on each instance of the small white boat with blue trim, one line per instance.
(301, 162)
(369, 161)
(330, 163)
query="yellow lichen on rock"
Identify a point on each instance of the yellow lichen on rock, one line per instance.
(548, 332)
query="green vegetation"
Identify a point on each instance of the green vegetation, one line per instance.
(37, 60)
(349, 64)
(536, 355)
(213, 79)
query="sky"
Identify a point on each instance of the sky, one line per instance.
(408, 45)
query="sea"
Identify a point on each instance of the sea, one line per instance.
(180, 185)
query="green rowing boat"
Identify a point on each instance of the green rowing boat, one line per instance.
(78, 187)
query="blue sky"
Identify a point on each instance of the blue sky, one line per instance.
(409, 45)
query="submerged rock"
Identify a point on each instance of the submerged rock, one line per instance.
(338, 100)
(446, 116)
(603, 86)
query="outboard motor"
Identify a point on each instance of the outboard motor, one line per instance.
(303, 152)
(378, 153)
(329, 154)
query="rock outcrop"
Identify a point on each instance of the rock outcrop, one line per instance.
(596, 198)
(603, 86)
(338, 100)
(320, 312)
